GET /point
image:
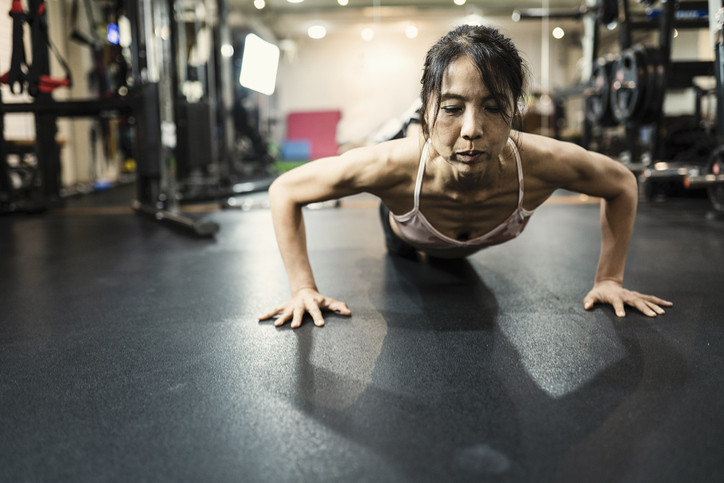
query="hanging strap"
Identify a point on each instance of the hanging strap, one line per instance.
(18, 62)
(43, 83)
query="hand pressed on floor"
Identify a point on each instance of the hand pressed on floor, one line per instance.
(306, 301)
(611, 292)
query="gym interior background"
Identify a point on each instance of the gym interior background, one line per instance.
(138, 140)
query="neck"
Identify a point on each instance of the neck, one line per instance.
(453, 179)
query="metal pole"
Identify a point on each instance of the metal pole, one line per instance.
(666, 35)
(46, 148)
(716, 23)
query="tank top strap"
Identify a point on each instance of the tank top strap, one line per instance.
(519, 166)
(420, 175)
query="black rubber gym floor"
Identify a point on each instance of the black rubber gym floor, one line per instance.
(131, 352)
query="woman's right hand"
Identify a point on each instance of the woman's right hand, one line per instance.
(306, 300)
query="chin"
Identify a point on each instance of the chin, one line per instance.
(467, 169)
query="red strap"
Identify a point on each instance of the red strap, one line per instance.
(48, 84)
(16, 7)
(41, 9)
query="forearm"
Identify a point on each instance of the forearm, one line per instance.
(617, 221)
(291, 239)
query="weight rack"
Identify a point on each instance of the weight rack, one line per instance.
(149, 103)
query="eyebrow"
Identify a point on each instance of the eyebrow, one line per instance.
(445, 96)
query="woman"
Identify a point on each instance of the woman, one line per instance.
(466, 182)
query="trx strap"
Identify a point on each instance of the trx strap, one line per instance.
(18, 63)
(39, 82)
(20, 73)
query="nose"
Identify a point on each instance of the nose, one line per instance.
(472, 125)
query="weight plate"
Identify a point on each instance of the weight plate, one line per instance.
(597, 93)
(655, 84)
(627, 79)
(638, 85)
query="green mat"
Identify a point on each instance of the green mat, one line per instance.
(286, 165)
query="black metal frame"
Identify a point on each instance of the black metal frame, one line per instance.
(143, 102)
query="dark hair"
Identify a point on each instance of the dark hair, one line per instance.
(501, 68)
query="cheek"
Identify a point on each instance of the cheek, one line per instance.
(446, 128)
(443, 140)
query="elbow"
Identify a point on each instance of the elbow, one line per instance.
(623, 185)
(630, 185)
(283, 195)
(275, 189)
(278, 191)
(626, 190)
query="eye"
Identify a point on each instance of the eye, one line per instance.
(494, 109)
(452, 110)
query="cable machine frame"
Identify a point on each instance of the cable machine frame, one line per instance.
(150, 100)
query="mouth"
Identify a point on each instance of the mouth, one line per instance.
(468, 156)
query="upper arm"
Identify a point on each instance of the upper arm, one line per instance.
(569, 166)
(367, 169)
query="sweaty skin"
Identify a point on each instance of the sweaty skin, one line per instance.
(470, 186)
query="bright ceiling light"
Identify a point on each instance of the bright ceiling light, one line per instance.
(259, 4)
(411, 32)
(343, 3)
(459, 2)
(558, 33)
(368, 34)
(317, 32)
(295, 1)
(227, 50)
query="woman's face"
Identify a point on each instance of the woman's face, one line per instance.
(469, 131)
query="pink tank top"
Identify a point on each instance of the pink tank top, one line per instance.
(422, 235)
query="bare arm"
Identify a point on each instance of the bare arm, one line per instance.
(291, 235)
(617, 221)
(618, 213)
(292, 241)
(598, 175)
(330, 178)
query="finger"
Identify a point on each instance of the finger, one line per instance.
(282, 319)
(618, 308)
(656, 308)
(643, 307)
(338, 306)
(297, 318)
(658, 301)
(316, 315)
(588, 302)
(271, 313)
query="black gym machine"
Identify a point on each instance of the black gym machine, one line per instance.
(626, 90)
(147, 102)
(182, 145)
(712, 176)
(634, 83)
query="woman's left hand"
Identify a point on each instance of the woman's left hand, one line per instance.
(611, 292)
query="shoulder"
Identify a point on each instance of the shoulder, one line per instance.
(560, 161)
(378, 169)
(383, 165)
(536, 149)
(560, 164)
